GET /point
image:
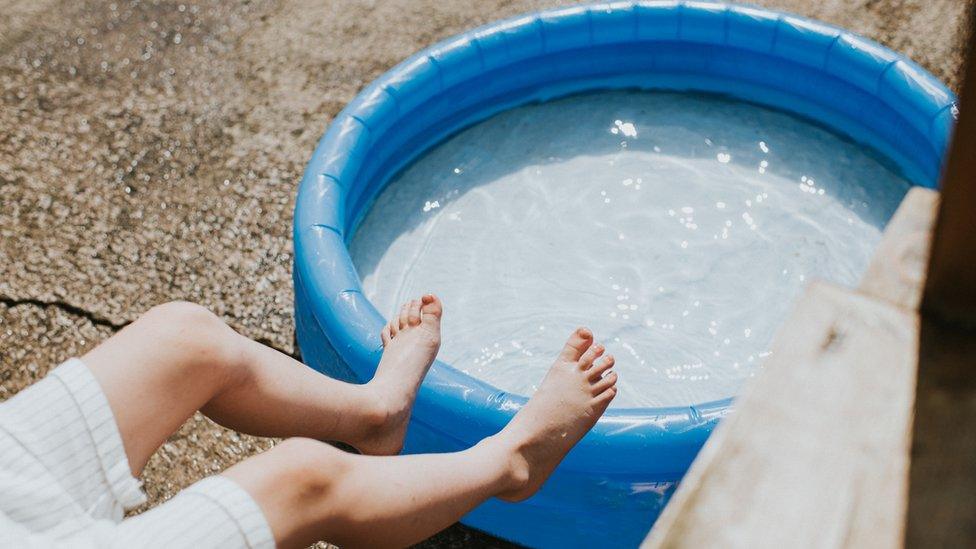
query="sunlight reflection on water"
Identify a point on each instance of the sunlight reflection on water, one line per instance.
(680, 228)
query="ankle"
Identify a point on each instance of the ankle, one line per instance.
(383, 410)
(381, 421)
(513, 465)
(385, 401)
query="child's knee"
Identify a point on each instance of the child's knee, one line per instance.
(183, 312)
(195, 331)
(310, 467)
(298, 485)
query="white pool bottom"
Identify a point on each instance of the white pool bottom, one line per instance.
(680, 228)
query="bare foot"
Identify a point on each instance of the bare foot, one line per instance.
(572, 397)
(410, 344)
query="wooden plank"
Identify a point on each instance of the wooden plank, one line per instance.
(816, 453)
(942, 498)
(897, 271)
(950, 291)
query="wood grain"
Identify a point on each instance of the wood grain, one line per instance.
(897, 271)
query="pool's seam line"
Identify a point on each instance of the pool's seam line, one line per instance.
(829, 49)
(775, 40)
(481, 54)
(365, 124)
(327, 226)
(726, 23)
(881, 77)
(589, 26)
(680, 21)
(396, 100)
(537, 16)
(635, 31)
(440, 72)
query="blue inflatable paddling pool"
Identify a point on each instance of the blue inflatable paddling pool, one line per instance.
(612, 486)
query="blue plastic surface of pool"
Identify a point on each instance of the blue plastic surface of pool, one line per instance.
(612, 486)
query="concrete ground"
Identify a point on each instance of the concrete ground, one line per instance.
(150, 151)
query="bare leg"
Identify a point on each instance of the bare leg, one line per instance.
(179, 358)
(310, 491)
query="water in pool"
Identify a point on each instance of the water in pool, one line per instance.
(680, 228)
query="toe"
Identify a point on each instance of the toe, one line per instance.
(606, 382)
(386, 335)
(404, 318)
(603, 399)
(431, 307)
(590, 355)
(413, 313)
(576, 345)
(394, 326)
(596, 372)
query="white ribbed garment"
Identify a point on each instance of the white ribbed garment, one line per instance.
(65, 479)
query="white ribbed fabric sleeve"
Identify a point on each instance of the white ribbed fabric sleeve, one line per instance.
(215, 512)
(65, 480)
(61, 454)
